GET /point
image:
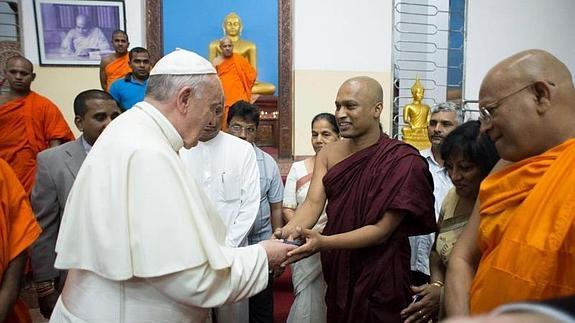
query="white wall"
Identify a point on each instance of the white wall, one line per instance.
(342, 35)
(333, 41)
(497, 29)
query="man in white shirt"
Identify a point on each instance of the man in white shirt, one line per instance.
(140, 239)
(226, 168)
(445, 117)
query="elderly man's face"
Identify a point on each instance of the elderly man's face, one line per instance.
(513, 117)
(82, 25)
(202, 107)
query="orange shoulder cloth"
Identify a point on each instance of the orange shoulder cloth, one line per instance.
(527, 231)
(117, 68)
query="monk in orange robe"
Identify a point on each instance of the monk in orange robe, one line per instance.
(30, 122)
(236, 74)
(18, 230)
(521, 244)
(116, 65)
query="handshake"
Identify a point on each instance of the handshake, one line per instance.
(289, 245)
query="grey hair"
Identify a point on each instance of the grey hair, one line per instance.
(164, 86)
(450, 106)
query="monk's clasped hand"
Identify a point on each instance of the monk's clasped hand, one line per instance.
(313, 244)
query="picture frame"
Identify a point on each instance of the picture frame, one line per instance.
(76, 32)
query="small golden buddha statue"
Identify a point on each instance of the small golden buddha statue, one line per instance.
(416, 117)
(233, 27)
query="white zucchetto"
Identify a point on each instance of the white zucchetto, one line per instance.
(183, 62)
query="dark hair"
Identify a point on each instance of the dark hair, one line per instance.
(119, 31)
(80, 100)
(327, 117)
(244, 110)
(473, 146)
(137, 50)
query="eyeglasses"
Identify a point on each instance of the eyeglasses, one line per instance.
(486, 112)
(236, 128)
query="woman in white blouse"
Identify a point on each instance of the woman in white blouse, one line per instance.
(309, 286)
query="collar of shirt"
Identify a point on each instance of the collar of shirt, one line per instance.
(86, 145)
(427, 154)
(131, 79)
(165, 125)
(259, 152)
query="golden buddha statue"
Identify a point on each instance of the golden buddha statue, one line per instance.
(416, 117)
(233, 27)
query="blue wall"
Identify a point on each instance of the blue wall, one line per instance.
(194, 24)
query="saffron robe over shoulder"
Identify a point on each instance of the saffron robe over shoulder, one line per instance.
(117, 69)
(527, 231)
(238, 78)
(373, 284)
(28, 125)
(18, 229)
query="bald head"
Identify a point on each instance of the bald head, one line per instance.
(359, 103)
(19, 73)
(20, 60)
(526, 67)
(530, 99)
(368, 88)
(226, 46)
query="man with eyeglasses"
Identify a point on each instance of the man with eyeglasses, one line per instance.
(243, 120)
(225, 166)
(519, 244)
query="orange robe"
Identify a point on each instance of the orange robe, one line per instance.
(18, 229)
(27, 126)
(117, 68)
(238, 78)
(527, 231)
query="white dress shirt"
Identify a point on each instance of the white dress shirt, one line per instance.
(226, 168)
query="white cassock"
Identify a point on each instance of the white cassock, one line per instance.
(140, 239)
(226, 168)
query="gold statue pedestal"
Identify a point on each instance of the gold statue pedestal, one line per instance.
(263, 88)
(416, 137)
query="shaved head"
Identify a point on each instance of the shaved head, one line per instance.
(368, 88)
(530, 98)
(359, 104)
(227, 46)
(19, 73)
(526, 67)
(19, 59)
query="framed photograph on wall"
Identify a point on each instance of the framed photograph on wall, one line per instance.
(76, 32)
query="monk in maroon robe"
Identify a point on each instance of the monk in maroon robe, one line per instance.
(379, 191)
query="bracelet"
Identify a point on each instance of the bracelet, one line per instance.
(438, 283)
(45, 288)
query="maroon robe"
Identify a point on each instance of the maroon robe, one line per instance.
(373, 284)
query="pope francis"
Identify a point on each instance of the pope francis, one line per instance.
(139, 237)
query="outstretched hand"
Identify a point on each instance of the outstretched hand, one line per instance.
(313, 243)
(288, 232)
(276, 251)
(426, 308)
